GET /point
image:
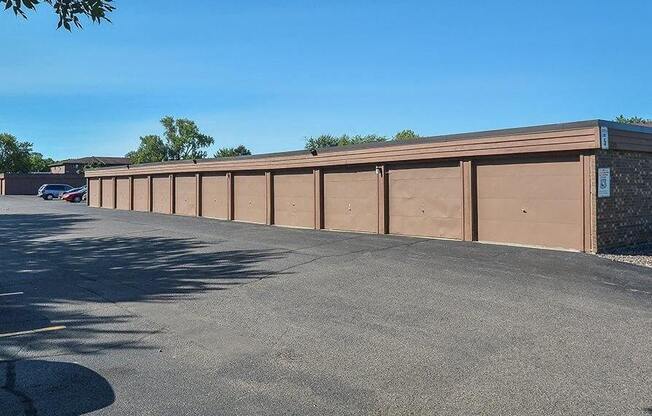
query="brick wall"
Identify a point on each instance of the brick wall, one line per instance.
(625, 218)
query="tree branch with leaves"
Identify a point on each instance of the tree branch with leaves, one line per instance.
(634, 120)
(68, 11)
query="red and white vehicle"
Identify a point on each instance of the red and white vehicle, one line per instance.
(74, 195)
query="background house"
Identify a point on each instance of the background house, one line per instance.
(77, 166)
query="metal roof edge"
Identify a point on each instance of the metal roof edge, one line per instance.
(635, 128)
(427, 139)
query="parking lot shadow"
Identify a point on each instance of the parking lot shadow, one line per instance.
(59, 270)
(32, 387)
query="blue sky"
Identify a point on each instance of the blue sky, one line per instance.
(267, 74)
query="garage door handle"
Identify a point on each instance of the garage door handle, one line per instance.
(524, 211)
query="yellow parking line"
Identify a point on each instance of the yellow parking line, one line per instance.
(32, 331)
(11, 294)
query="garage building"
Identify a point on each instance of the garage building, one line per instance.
(584, 186)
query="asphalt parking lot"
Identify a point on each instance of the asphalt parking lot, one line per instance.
(128, 313)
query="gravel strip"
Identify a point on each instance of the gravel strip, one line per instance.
(640, 255)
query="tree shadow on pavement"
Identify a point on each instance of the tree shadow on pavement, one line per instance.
(31, 387)
(80, 282)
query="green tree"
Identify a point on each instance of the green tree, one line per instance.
(633, 120)
(68, 11)
(15, 156)
(358, 139)
(326, 140)
(184, 140)
(405, 135)
(38, 163)
(232, 151)
(151, 149)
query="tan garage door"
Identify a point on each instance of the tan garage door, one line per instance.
(351, 199)
(161, 194)
(94, 192)
(141, 195)
(294, 199)
(214, 200)
(107, 193)
(534, 202)
(185, 195)
(426, 200)
(249, 197)
(123, 193)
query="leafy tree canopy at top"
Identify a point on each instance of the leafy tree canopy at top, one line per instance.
(67, 11)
